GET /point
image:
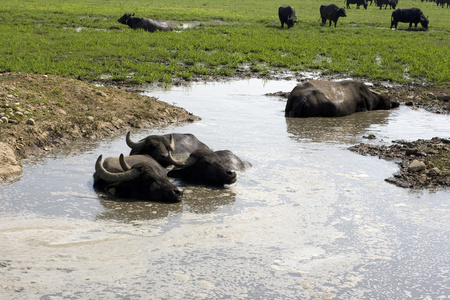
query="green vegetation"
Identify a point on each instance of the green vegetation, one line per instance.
(82, 39)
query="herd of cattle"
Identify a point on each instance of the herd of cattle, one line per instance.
(332, 13)
(328, 12)
(145, 174)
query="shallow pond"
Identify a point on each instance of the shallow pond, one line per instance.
(310, 219)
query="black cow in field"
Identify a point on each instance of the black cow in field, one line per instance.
(158, 146)
(409, 15)
(144, 23)
(137, 177)
(286, 14)
(318, 98)
(331, 12)
(208, 167)
(392, 3)
(357, 2)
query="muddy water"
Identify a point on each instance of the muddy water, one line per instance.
(310, 219)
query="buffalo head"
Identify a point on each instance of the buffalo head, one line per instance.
(157, 146)
(135, 177)
(207, 167)
(124, 19)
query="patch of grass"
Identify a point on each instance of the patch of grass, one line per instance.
(82, 39)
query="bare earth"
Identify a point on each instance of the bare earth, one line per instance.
(41, 112)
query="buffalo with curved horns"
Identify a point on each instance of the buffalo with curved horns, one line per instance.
(207, 167)
(318, 98)
(158, 146)
(137, 177)
(144, 23)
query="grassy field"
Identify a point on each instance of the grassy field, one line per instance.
(82, 39)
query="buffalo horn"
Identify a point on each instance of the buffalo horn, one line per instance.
(181, 164)
(132, 144)
(172, 143)
(114, 177)
(123, 163)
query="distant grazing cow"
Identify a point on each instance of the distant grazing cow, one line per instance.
(208, 167)
(357, 2)
(144, 23)
(409, 15)
(287, 15)
(331, 12)
(392, 3)
(137, 177)
(318, 98)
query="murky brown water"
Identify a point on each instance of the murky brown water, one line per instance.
(309, 220)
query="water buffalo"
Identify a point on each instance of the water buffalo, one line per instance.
(286, 14)
(392, 3)
(331, 12)
(144, 23)
(357, 2)
(158, 146)
(318, 98)
(208, 167)
(137, 177)
(408, 15)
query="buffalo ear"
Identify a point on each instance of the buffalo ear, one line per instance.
(133, 14)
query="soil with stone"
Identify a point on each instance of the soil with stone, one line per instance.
(422, 163)
(39, 113)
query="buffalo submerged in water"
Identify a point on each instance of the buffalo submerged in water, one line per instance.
(158, 146)
(319, 98)
(144, 23)
(137, 177)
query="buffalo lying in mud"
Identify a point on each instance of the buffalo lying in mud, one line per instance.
(409, 15)
(137, 177)
(331, 12)
(318, 98)
(286, 14)
(158, 146)
(357, 2)
(144, 23)
(207, 167)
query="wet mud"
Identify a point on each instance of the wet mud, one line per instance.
(422, 163)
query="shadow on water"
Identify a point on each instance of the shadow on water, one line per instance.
(335, 130)
(197, 200)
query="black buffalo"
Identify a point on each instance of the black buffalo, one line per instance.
(208, 167)
(137, 177)
(408, 15)
(331, 12)
(286, 14)
(392, 3)
(357, 2)
(318, 98)
(144, 23)
(158, 146)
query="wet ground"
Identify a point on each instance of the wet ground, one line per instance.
(310, 219)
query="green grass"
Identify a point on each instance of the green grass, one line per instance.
(83, 39)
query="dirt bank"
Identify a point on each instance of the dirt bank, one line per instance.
(40, 112)
(422, 163)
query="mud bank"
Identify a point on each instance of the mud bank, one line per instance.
(422, 163)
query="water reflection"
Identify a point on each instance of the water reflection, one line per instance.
(340, 130)
(196, 199)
